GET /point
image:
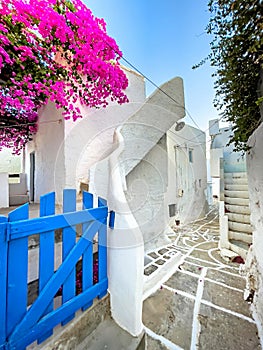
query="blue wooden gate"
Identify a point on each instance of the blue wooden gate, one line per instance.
(20, 324)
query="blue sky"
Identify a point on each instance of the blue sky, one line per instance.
(164, 39)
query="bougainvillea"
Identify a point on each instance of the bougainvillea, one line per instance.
(53, 50)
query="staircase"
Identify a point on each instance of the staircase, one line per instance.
(237, 209)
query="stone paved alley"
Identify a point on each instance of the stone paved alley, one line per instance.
(201, 305)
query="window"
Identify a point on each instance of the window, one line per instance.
(172, 209)
(190, 155)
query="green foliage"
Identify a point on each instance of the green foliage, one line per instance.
(236, 53)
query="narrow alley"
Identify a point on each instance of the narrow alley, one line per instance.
(201, 306)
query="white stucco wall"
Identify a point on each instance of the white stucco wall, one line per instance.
(233, 161)
(66, 150)
(9, 163)
(4, 193)
(90, 139)
(144, 159)
(47, 144)
(187, 179)
(146, 187)
(254, 263)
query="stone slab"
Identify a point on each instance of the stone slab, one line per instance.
(229, 280)
(200, 263)
(183, 282)
(226, 298)
(169, 315)
(154, 344)
(202, 255)
(223, 331)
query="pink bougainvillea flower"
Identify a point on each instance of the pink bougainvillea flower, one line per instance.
(53, 50)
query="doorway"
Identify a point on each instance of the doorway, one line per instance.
(32, 176)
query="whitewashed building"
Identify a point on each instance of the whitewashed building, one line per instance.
(132, 155)
(55, 159)
(253, 268)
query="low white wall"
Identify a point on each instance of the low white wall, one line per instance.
(4, 192)
(254, 264)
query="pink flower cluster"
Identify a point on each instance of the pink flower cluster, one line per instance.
(53, 50)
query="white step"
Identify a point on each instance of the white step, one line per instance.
(238, 226)
(239, 250)
(236, 187)
(235, 175)
(239, 209)
(241, 180)
(236, 194)
(242, 218)
(244, 237)
(18, 199)
(237, 201)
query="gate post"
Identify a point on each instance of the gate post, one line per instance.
(125, 253)
(3, 279)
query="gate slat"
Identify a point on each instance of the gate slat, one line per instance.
(3, 278)
(39, 306)
(87, 257)
(17, 273)
(102, 249)
(46, 244)
(26, 228)
(69, 239)
(52, 319)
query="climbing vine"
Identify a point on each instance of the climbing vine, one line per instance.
(236, 53)
(53, 50)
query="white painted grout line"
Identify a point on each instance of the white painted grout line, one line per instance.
(227, 272)
(192, 274)
(219, 262)
(234, 313)
(189, 273)
(224, 285)
(201, 260)
(161, 275)
(163, 340)
(196, 325)
(179, 292)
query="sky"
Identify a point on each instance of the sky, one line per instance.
(164, 39)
